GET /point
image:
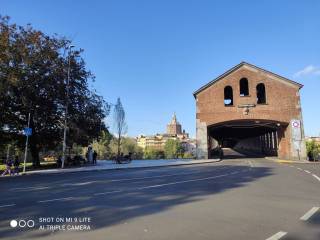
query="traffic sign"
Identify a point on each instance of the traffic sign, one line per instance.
(27, 131)
(296, 123)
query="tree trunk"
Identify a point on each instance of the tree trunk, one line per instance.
(34, 150)
(119, 142)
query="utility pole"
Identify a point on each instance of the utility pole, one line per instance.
(66, 111)
(8, 152)
(26, 148)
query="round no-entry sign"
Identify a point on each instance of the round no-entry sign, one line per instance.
(296, 124)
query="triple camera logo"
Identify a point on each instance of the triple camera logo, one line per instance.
(22, 223)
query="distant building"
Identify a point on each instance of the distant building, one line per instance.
(174, 127)
(316, 139)
(174, 131)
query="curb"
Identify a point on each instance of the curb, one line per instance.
(117, 168)
(290, 161)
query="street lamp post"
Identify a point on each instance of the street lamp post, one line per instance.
(26, 147)
(66, 111)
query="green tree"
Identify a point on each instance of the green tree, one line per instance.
(128, 145)
(173, 148)
(102, 146)
(153, 153)
(33, 72)
(313, 149)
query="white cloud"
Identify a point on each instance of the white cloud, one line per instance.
(307, 71)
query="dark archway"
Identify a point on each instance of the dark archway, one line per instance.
(228, 96)
(261, 94)
(244, 87)
(251, 137)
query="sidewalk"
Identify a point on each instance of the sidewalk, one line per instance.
(108, 165)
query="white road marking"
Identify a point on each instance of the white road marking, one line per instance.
(103, 193)
(55, 199)
(250, 163)
(309, 213)
(185, 181)
(307, 171)
(300, 169)
(163, 175)
(140, 178)
(78, 184)
(29, 188)
(152, 186)
(7, 205)
(277, 236)
(315, 176)
(171, 183)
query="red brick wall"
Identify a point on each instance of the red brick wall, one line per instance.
(282, 102)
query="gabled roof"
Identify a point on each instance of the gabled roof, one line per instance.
(236, 68)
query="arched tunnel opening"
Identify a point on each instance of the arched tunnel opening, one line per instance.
(250, 138)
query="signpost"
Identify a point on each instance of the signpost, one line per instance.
(27, 131)
(296, 135)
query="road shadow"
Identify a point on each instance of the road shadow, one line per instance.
(309, 232)
(117, 208)
(229, 153)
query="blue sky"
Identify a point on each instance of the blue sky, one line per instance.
(155, 54)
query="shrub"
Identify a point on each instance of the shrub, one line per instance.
(313, 149)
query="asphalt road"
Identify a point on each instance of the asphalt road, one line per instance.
(232, 199)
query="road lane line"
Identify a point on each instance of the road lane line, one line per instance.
(309, 213)
(307, 171)
(165, 175)
(158, 176)
(78, 184)
(185, 181)
(152, 186)
(55, 199)
(300, 169)
(277, 236)
(29, 188)
(104, 193)
(7, 205)
(142, 178)
(171, 183)
(315, 176)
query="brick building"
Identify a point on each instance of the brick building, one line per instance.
(250, 109)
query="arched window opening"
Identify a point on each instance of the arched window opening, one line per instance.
(244, 87)
(228, 96)
(261, 94)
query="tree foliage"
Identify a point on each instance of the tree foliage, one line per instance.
(128, 145)
(33, 70)
(173, 149)
(313, 149)
(153, 153)
(119, 124)
(102, 146)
